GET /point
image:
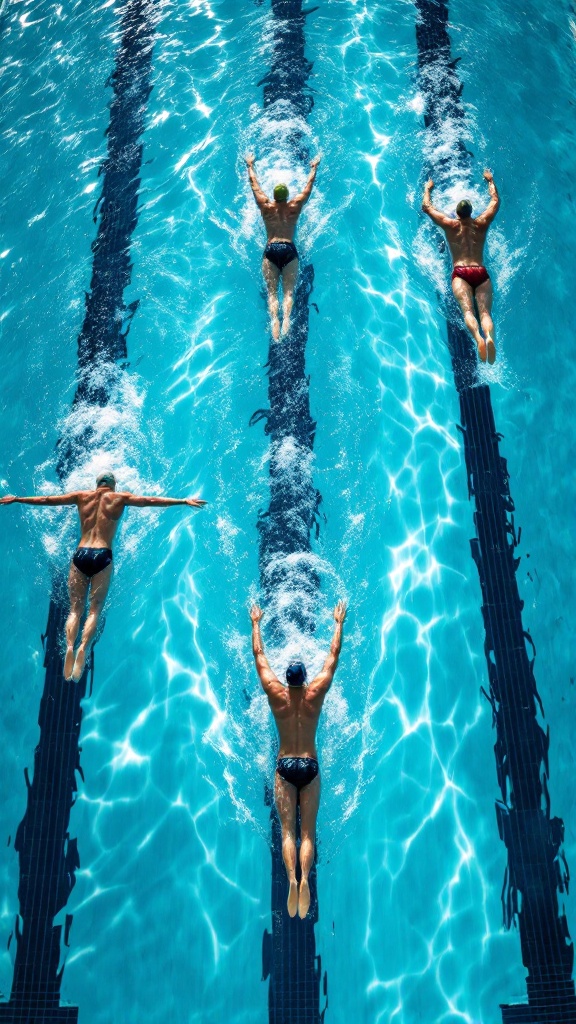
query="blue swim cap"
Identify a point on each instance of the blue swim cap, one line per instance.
(296, 674)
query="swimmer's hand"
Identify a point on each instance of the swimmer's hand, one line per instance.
(488, 175)
(340, 611)
(429, 185)
(195, 502)
(256, 613)
(249, 158)
(315, 161)
(9, 499)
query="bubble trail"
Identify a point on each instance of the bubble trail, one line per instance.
(537, 871)
(289, 576)
(48, 857)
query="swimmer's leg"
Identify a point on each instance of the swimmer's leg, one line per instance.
(286, 796)
(464, 295)
(289, 276)
(309, 802)
(77, 589)
(98, 592)
(272, 276)
(484, 295)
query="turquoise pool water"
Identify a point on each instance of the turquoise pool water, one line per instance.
(173, 892)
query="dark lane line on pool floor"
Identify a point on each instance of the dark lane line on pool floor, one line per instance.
(536, 871)
(48, 857)
(289, 957)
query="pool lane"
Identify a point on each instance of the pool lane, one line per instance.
(48, 856)
(537, 872)
(290, 960)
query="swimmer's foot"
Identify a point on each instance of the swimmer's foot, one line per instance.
(275, 328)
(491, 349)
(285, 326)
(293, 898)
(482, 349)
(79, 663)
(68, 663)
(304, 898)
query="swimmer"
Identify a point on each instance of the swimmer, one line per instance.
(470, 281)
(91, 569)
(280, 259)
(296, 709)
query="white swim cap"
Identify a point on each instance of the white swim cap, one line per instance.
(107, 478)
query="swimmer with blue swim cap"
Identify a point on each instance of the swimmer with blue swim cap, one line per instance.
(90, 574)
(280, 260)
(296, 709)
(471, 282)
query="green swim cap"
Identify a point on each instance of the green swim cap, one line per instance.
(281, 193)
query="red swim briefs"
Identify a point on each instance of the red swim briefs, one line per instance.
(473, 276)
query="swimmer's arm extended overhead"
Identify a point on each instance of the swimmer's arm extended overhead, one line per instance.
(493, 206)
(304, 195)
(270, 682)
(150, 501)
(260, 196)
(42, 499)
(323, 681)
(437, 216)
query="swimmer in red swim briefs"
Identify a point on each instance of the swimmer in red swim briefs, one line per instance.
(470, 281)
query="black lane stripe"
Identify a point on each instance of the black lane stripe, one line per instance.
(48, 857)
(536, 872)
(289, 957)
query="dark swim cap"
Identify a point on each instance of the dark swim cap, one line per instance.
(281, 193)
(296, 674)
(464, 208)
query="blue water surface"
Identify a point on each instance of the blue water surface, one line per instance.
(173, 893)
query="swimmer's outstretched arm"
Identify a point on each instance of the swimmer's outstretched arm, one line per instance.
(304, 195)
(42, 499)
(270, 682)
(323, 681)
(437, 216)
(493, 206)
(260, 196)
(143, 501)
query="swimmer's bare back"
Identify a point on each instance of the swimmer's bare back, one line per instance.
(100, 510)
(296, 710)
(280, 218)
(465, 236)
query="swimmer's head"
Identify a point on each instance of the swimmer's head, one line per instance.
(464, 208)
(296, 674)
(281, 193)
(106, 479)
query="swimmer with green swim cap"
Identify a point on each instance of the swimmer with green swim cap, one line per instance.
(471, 282)
(100, 511)
(280, 260)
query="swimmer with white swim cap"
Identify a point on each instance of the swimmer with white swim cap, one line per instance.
(280, 259)
(100, 511)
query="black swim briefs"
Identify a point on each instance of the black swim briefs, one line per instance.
(91, 561)
(299, 771)
(281, 254)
